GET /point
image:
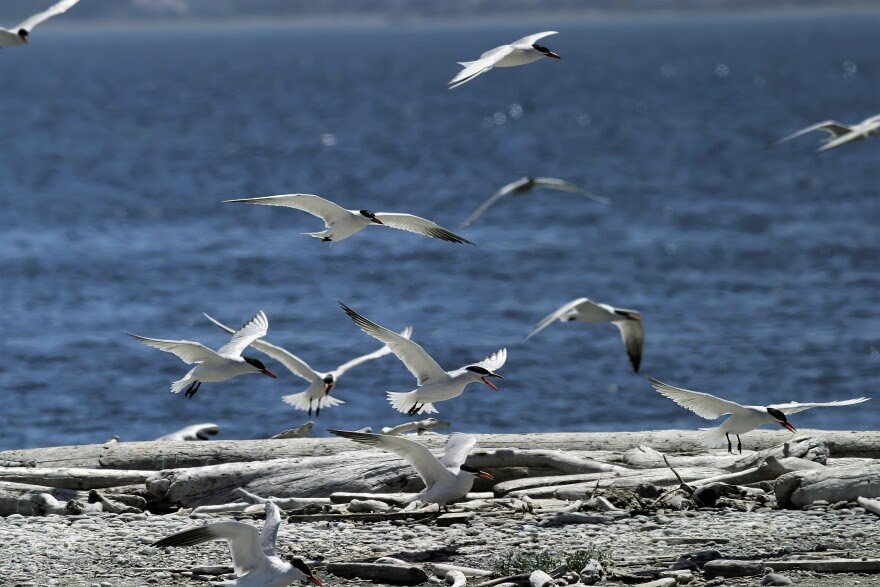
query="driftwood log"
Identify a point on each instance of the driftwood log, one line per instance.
(73, 478)
(29, 500)
(154, 456)
(795, 490)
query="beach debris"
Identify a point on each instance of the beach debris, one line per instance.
(393, 574)
(541, 579)
(298, 432)
(732, 568)
(195, 432)
(455, 578)
(832, 484)
(871, 505)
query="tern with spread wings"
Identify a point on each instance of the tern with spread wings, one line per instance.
(520, 52)
(20, 34)
(839, 133)
(213, 366)
(742, 419)
(341, 223)
(254, 557)
(525, 185)
(317, 396)
(446, 479)
(629, 322)
(435, 384)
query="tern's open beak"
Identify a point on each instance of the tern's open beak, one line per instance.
(553, 55)
(489, 383)
(485, 475)
(268, 373)
(789, 427)
(377, 221)
(315, 580)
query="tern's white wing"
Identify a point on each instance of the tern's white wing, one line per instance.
(457, 448)
(293, 363)
(532, 39)
(270, 529)
(341, 369)
(417, 455)
(494, 198)
(795, 407)
(419, 225)
(420, 364)
(559, 313)
(314, 205)
(243, 539)
(256, 328)
(486, 62)
(59, 7)
(702, 404)
(633, 334)
(858, 133)
(494, 361)
(565, 186)
(834, 128)
(188, 351)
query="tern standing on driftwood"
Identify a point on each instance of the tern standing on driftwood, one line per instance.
(435, 384)
(254, 558)
(520, 52)
(213, 366)
(629, 322)
(742, 419)
(321, 384)
(446, 479)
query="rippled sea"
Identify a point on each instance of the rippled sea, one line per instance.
(756, 266)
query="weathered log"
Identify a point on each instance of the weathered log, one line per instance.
(836, 565)
(420, 427)
(195, 432)
(582, 486)
(795, 490)
(73, 478)
(771, 468)
(398, 499)
(870, 505)
(20, 498)
(151, 456)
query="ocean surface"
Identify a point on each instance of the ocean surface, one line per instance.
(756, 266)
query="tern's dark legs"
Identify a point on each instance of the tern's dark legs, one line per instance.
(739, 444)
(310, 407)
(318, 411)
(729, 444)
(413, 410)
(192, 389)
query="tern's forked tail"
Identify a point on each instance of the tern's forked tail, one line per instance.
(712, 437)
(182, 384)
(302, 401)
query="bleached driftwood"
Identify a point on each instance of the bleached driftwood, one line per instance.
(804, 447)
(398, 499)
(831, 484)
(195, 432)
(299, 432)
(24, 499)
(870, 505)
(420, 427)
(770, 469)
(154, 455)
(73, 478)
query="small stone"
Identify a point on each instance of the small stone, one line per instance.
(592, 572)
(458, 518)
(775, 579)
(647, 490)
(541, 579)
(581, 518)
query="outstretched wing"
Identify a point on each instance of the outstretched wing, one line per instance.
(341, 369)
(270, 529)
(558, 313)
(565, 186)
(494, 198)
(426, 464)
(532, 39)
(420, 226)
(486, 62)
(856, 134)
(188, 351)
(795, 407)
(633, 334)
(244, 542)
(59, 7)
(832, 127)
(420, 364)
(314, 205)
(457, 448)
(702, 404)
(293, 363)
(256, 328)
(494, 361)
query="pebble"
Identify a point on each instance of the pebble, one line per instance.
(775, 579)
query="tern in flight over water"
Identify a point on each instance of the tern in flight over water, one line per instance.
(435, 384)
(19, 34)
(839, 133)
(742, 419)
(520, 52)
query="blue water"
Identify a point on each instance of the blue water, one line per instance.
(755, 265)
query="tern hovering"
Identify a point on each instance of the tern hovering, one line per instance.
(524, 185)
(435, 384)
(318, 393)
(19, 34)
(254, 558)
(446, 479)
(219, 365)
(840, 133)
(341, 223)
(629, 322)
(521, 52)
(742, 419)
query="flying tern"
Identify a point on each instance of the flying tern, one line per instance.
(525, 185)
(254, 558)
(20, 34)
(435, 384)
(742, 419)
(341, 223)
(629, 322)
(321, 384)
(521, 52)
(839, 133)
(446, 479)
(219, 365)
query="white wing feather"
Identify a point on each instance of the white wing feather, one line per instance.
(58, 8)
(256, 328)
(795, 407)
(186, 350)
(270, 529)
(494, 361)
(419, 225)
(457, 449)
(702, 404)
(565, 186)
(422, 460)
(486, 62)
(557, 314)
(832, 127)
(531, 39)
(341, 369)
(314, 205)
(243, 540)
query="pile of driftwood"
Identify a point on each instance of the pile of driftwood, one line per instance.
(317, 472)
